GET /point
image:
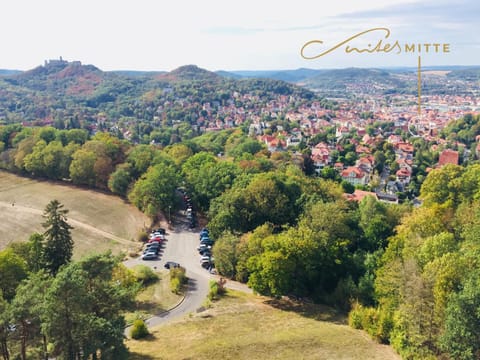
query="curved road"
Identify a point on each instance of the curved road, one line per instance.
(181, 246)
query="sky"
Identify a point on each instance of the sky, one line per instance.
(233, 35)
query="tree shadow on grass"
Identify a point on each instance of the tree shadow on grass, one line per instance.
(149, 307)
(309, 310)
(137, 356)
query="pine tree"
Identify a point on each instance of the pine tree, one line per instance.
(58, 240)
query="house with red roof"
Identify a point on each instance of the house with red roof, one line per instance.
(321, 156)
(366, 163)
(355, 176)
(404, 176)
(359, 195)
(448, 156)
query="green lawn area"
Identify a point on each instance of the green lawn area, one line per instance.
(242, 326)
(155, 298)
(101, 221)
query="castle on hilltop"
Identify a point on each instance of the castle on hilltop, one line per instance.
(60, 61)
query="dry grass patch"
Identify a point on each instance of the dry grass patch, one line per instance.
(101, 221)
(252, 327)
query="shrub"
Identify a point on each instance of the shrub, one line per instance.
(370, 321)
(177, 279)
(142, 236)
(213, 292)
(139, 329)
(385, 326)
(343, 294)
(144, 274)
(175, 285)
(377, 323)
(217, 288)
(355, 316)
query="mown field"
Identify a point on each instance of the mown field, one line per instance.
(242, 326)
(100, 221)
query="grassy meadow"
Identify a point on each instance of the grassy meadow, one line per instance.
(243, 326)
(100, 221)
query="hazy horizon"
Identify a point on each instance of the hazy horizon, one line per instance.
(251, 36)
(256, 70)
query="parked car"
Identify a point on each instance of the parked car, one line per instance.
(205, 252)
(153, 244)
(207, 242)
(157, 235)
(150, 255)
(154, 240)
(155, 249)
(203, 247)
(162, 231)
(171, 265)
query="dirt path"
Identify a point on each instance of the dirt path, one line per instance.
(73, 222)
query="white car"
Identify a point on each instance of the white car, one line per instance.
(150, 255)
(157, 235)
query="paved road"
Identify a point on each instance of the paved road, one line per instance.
(181, 246)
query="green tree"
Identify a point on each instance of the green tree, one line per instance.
(35, 252)
(374, 223)
(225, 254)
(155, 191)
(82, 167)
(83, 310)
(58, 240)
(77, 136)
(442, 185)
(28, 311)
(4, 327)
(33, 162)
(179, 153)
(13, 270)
(461, 339)
(141, 158)
(208, 178)
(269, 197)
(120, 179)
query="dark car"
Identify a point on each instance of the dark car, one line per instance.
(207, 242)
(205, 252)
(161, 231)
(155, 249)
(204, 247)
(171, 265)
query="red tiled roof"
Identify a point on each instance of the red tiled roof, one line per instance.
(358, 195)
(448, 156)
(404, 172)
(352, 169)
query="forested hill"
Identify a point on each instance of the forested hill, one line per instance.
(71, 93)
